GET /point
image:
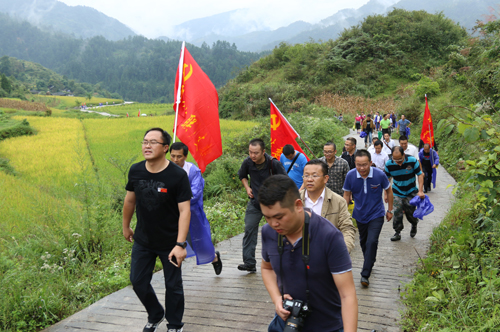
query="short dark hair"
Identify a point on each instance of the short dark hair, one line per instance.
(331, 144)
(352, 139)
(403, 138)
(279, 188)
(427, 145)
(363, 153)
(180, 146)
(375, 139)
(398, 148)
(164, 135)
(288, 149)
(258, 141)
(368, 115)
(324, 166)
(377, 143)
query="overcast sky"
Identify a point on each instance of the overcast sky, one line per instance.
(153, 18)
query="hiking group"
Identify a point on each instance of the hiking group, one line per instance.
(313, 211)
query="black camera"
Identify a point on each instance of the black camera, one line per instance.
(298, 312)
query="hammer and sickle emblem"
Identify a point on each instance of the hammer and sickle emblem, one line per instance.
(188, 75)
(275, 125)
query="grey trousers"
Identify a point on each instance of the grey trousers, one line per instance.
(252, 220)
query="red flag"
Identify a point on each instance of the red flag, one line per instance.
(139, 114)
(127, 114)
(281, 134)
(198, 117)
(427, 134)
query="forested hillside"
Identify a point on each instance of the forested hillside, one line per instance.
(137, 68)
(376, 58)
(19, 77)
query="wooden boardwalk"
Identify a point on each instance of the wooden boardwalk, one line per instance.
(238, 301)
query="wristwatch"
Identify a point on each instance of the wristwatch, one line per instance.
(182, 244)
(390, 211)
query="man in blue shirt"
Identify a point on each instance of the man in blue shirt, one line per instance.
(402, 124)
(297, 161)
(403, 168)
(324, 282)
(365, 184)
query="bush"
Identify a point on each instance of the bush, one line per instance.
(21, 129)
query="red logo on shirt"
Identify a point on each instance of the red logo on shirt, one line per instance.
(162, 190)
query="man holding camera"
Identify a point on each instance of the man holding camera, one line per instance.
(305, 264)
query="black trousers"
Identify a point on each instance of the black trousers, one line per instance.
(141, 273)
(428, 177)
(368, 239)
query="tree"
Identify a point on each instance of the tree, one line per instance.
(5, 84)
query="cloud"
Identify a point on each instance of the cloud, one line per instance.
(154, 18)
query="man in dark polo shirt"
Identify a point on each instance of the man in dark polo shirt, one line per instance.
(350, 150)
(326, 284)
(159, 192)
(403, 168)
(259, 166)
(365, 184)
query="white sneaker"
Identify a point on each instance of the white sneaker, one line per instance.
(175, 330)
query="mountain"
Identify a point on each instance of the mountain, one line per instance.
(233, 23)
(464, 12)
(137, 68)
(78, 21)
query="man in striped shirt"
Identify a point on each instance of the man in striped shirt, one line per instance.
(403, 168)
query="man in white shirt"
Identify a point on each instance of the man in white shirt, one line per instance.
(324, 202)
(379, 157)
(410, 149)
(388, 144)
(371, 149)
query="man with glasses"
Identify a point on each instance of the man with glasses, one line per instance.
(403, 168)
(337, 168)
(324, 202)
(159, 192)
(259, 166)
(365, 184)
(350, 150)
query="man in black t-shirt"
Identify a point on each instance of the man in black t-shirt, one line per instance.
(159, 192)
(259, 166)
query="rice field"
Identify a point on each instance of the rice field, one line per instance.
(66, 152)
(53, 159)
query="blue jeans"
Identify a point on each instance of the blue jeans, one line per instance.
(278, 325)
(252, 220)
(368, 239)
(141, 272)
(368, 138)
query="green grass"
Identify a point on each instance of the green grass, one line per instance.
(457, 286)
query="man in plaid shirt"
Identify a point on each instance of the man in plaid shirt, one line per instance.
(337, 168)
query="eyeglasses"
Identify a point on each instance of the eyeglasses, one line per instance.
(328, 152)
(151, 143)
(312, 176)
(398, 160)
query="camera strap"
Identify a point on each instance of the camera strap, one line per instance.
(305, 255)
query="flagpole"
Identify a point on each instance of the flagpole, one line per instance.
(296, 133)
(178, 99)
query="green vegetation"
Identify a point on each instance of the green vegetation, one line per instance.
(20, 77)
(136, 68)
(457, 286)
(375, 58)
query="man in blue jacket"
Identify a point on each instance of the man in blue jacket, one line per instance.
(199, 237)
(429, 159)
